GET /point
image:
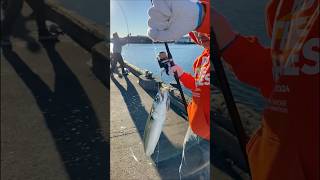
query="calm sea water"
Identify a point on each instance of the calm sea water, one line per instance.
(144, 56)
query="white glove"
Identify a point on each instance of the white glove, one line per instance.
(177, 69)
(169, 20)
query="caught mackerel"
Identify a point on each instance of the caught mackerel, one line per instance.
(156, 120)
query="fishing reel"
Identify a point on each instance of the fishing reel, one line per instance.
(164, 61)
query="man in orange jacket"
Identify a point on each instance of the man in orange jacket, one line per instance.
(195, 160)
(199, 84)
(287, 73)
(163, 28)
(198, 113)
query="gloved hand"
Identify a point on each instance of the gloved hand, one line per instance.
(177, 69)
(222, 28)
(169, 20)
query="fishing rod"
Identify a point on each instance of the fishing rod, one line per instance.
(126, 20)
(124, 15)
(226, 91)
(176, 77)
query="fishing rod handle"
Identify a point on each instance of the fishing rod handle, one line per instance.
(177, 78)
(168, 50)
(169, 55)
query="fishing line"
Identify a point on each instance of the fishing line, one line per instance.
(155, 50)
(125, 18)
(124, 15)
(158, 152)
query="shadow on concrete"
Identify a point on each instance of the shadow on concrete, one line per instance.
(166, 168)
(68, 115)
(21, 32)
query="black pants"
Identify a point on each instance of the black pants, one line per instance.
(117, 58)
(12, 9)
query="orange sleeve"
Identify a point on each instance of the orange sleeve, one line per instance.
(251, 62)
(188, 81)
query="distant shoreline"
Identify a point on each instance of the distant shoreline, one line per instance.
(146, 40)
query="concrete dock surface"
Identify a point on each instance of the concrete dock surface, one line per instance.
(130, 106)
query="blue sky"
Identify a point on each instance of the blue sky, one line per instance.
(134, 13)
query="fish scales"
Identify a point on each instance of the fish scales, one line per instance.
(156, 120)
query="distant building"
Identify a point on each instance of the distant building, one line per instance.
(184, 40)
(138, 39)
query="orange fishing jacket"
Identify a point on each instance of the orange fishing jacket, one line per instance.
(286, 147)
(199, 84)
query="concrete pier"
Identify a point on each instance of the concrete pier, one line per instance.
(130, 106)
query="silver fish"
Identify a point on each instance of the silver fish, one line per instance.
(156, 120)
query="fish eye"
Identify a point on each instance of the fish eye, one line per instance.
(157, 98)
